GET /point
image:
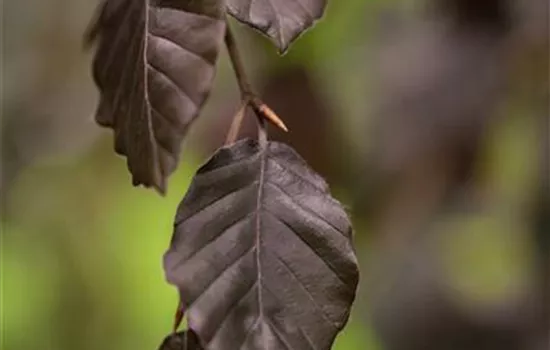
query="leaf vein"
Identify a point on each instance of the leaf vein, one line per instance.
(306, 209)
(206, 206)
(320, 190)
(258, 243)
(249, 331)
(308, 293)
(232, 309)
(173, 82)
(279, 336)
(281, 302)
(191, 302)
(177, 127)
(119, 88)
(203, 58)
(306, 11)
(117, 38)
(332, 268)
(213, 239)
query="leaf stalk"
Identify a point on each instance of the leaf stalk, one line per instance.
(248, 97)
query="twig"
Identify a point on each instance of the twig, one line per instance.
(236, 123)
(237, 63)
(248, 97)
(178, 317)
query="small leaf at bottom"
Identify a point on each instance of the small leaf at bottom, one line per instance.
(186, 340)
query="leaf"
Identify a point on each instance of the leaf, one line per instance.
(281, 20)
(261, 253)
(186, 340)
(154, 66)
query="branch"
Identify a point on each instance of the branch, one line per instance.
(178, 317)
(248, 97)
(237, 63)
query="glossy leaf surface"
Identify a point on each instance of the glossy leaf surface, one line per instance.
(261, 253)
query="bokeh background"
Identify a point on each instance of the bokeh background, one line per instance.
(430, 120)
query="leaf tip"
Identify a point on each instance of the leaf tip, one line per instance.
(282, 48)
(158, 185)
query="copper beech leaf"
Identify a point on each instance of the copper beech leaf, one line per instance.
(261, 253)
(186, 340)
(154, 66)
(280, 20)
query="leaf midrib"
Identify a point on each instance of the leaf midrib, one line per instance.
(259, 199)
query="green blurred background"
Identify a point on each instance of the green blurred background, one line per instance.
(429, 119)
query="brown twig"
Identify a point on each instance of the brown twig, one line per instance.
(248, 97)
(236, 123)
(178, 317)
(237, 63)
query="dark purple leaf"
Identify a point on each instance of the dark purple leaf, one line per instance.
(281, 20)
(261, 253)
(186, 340)
(154, 66)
